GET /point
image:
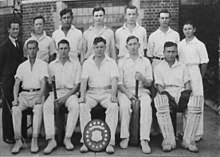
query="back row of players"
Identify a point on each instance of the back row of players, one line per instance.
(96, 46)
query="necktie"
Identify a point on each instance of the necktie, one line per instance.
(17, 45)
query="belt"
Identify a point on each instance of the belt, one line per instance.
(159, 58)
(167, 86)
(100, 88)
(30, 90)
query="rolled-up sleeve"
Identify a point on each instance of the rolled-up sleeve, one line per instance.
(203, 54)
(78, 73)
(114, 70)
(158, 77)
(85, 73)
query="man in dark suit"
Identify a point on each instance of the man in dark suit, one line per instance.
(11, 55)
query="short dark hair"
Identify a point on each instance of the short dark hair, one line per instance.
(39, 17)
(98, 9)
(169, 44)
(189, 22)
(13, 21)
(32, 42)
(63, 41)
(164, 11)
(130, 7)
(65, 11)
(132, 37)
(98, 40)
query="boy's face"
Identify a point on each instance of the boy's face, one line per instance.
(170, 53)
(188, 30)
(66, 20)
(133, 46)
(98, 17)
(38, 26)
(99, 49)
(131, 16)
(164, 19)
(63, 50)
(32, 50)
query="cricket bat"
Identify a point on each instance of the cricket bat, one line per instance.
(135, 119)
(58, 117)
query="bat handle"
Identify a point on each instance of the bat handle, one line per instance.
(136, 88)
(54, 87)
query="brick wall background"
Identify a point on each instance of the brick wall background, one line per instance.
(30, 10)
(152, 8)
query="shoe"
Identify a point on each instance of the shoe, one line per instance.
(110, 149)
(67, 142)
(124, 143)
(52, 144)
(198, 138)
(34, 145)
(191, 147)
(84, 149)
(9, 141)
(166, 147)
(145, 147)
(17, 147)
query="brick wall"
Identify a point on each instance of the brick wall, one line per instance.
(152, 8)
(30, 10)
(149, 8)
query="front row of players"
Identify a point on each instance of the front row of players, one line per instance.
(99, 81)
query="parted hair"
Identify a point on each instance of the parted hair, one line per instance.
(14, 20)
(39, 17)
(130, 6)
(32, 42)
(65, 11)
(132, 37)
(63, 41)
(98, 40)
(164, 11)
(189, 22)
(98, 9)
(169, 44)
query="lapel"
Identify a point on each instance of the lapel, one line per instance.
(13, 49)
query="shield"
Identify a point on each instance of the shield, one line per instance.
(96, 135)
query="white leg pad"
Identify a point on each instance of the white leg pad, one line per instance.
(164, 119)
(193, 117)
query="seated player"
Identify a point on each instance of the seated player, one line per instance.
(32, 73)
(100, 73)
(67, 77)
(173, 84)
(135, 67)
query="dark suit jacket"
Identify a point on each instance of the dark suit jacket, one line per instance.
(10, 58)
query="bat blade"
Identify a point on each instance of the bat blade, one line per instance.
(135, 123)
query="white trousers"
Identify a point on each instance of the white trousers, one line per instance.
(93, 97)
(27, 99)
(145, 115)
(72, 117)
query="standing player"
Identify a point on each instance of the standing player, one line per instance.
(192, 52)
(131, 27)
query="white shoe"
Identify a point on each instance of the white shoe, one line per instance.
(17, 147)
(84, 149)
(67, 142)
(52, 144)
(145, 147)
(124, 143)
(34, 145)
(110, 149)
